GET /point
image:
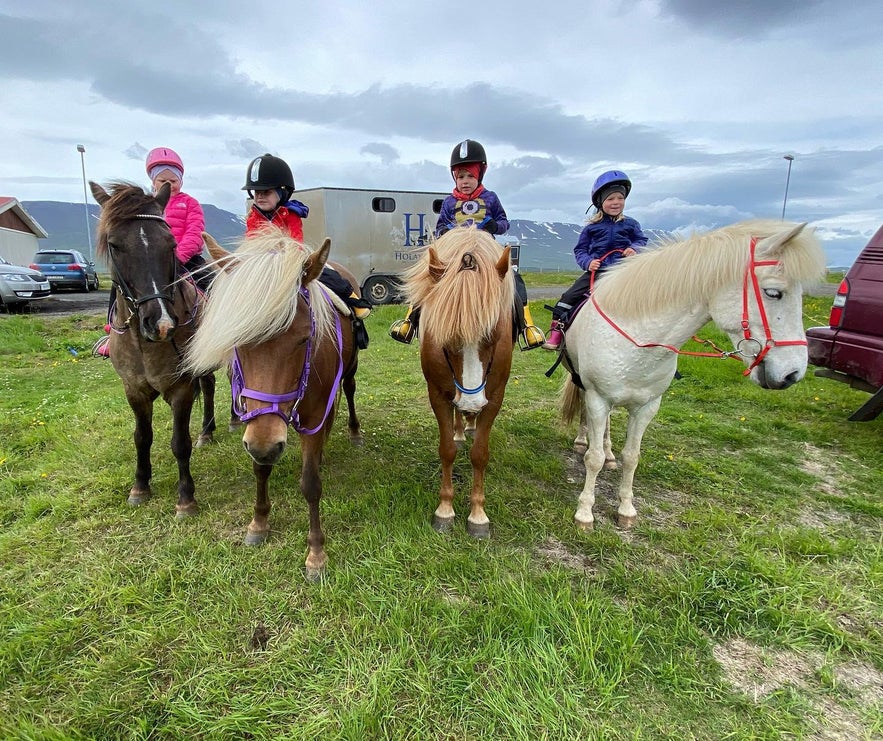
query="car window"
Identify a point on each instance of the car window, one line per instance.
(54, 258)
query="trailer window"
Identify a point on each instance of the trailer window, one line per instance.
(384, 205)
(436, 206)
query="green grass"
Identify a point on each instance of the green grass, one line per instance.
(746, 602)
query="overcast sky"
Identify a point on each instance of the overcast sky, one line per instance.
(698, 101)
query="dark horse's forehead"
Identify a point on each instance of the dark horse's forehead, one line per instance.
(126, 202)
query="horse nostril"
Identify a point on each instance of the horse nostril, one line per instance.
(789, 380)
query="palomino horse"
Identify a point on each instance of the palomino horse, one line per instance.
(622, 347)
(290, 353)
(466, 292)
(155, 317)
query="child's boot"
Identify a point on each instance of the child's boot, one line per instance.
(359, 306)
(556, 336)
(531, 335)
(101, 348)
(404, 330)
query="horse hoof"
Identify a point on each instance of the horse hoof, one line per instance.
(580, 449)
(137, 498)
(204, 440)
(442, 524)
(357, 441)
(626, 522)
(479, 532)
(586, 527)
(233, 426)
(611, 465)
(184, 511)
(253, 539)
(314, 575)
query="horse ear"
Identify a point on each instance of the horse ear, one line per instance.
(772, 246)
(436, 266)
(503, 262)
(99, 193)
(223, 260)
(315, 262)
(162, 198)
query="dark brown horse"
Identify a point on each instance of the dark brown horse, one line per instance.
(466, 291)
(290, 351)
(155, 318)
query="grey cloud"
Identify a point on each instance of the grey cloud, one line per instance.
(737, 18)
(246, 148)
(385, 152)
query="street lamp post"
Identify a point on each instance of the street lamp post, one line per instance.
(790, 158)
(82, 150)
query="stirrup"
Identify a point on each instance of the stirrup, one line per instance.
(403, 330)
(530, 338)
(101, 348)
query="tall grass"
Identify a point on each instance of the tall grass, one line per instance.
(746, 603)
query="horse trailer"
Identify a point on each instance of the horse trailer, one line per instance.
(376, 234)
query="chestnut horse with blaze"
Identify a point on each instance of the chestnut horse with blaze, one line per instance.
(465, 289)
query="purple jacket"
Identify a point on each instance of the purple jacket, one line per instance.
(187, 222)
(479, 211)
(597, 239)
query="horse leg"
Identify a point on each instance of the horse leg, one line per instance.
(349, 391)
(207, 387)
(181, 402)
(639, 419)
(609, 458)
(477, 524)
(459, 430)
(311, 488)
(443, 517)
(597, 415)
(142, 407)
(259, 527)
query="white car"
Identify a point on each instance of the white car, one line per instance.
(19, 285)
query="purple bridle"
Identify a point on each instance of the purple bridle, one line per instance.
(240, 390)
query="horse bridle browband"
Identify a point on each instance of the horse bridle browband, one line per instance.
(240, 391)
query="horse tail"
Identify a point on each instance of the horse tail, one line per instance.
(570, 401)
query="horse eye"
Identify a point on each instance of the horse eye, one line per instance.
(773, 293)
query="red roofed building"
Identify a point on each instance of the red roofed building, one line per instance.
(19, 232)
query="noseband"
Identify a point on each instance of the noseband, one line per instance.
(240, 391)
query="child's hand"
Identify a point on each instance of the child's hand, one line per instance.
(628, 252)
(490, 226)
(594, 265)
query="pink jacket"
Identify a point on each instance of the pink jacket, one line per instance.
(186, 220)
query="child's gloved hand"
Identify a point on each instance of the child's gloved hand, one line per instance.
(490, 226)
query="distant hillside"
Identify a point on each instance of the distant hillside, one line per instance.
(545, 246)
(66, 223)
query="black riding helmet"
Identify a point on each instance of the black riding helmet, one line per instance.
(467, 152)
(269, 173)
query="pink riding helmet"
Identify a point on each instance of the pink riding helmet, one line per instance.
(163, 156)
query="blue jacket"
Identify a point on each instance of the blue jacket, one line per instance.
(597, 239)
(479, 211)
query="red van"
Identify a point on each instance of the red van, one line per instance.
(851, 348)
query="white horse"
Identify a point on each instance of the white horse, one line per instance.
(622, 346)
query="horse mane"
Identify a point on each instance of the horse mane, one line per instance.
(255, 297)
(463, 306)
(689, 271)
(126, 201)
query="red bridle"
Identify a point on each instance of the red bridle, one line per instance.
(763, 347)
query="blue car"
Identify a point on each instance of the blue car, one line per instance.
(66, 269)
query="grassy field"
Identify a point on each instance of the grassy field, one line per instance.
(746, 603)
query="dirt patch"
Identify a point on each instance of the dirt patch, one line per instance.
(758, 672)
(65, 304)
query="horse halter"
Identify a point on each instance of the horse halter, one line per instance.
(126, 292)
(240, 391)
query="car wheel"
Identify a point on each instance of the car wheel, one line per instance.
(381, 290)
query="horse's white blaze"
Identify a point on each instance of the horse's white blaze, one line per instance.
(473, 378)
(166, 321)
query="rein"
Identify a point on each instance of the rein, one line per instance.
(762, 347)
(240, 391)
